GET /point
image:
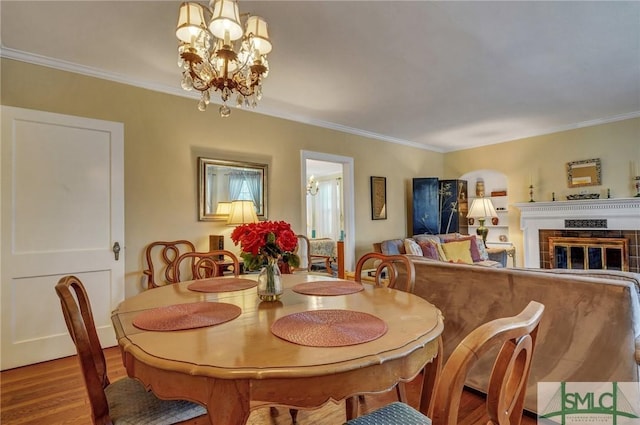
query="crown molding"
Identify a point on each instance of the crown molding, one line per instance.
(35, 59)
(6, 52)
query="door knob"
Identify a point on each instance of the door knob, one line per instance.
(116, 250)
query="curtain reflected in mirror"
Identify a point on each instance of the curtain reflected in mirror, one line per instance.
(222, 181)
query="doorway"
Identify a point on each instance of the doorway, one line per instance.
(328, 199)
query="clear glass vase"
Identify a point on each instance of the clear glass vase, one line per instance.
(270, 282)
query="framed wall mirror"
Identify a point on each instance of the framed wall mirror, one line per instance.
(222, 181)
(584, 173)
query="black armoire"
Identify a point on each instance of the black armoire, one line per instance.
(439, 206)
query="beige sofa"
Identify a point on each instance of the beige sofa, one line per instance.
(590, 331)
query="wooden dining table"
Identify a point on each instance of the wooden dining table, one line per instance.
(239, 365)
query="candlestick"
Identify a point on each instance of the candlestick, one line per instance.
(531, 193)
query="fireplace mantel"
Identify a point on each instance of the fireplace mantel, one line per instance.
(599, 214)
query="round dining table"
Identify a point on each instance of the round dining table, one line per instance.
(301, 351)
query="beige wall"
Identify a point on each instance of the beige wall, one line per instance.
(165, 134)
(544, 159)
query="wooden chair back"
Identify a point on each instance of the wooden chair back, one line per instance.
(340, 258)
(303, 252)
(400, 272)
(79, 319)
(161, 257)
(507, 385)
(203, 265)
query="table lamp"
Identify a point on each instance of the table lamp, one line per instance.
(481, 208)
(242, 212)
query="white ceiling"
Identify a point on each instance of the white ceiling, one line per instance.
(439, 75)
(322, 168)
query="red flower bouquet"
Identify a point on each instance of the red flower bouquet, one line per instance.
(265, 242)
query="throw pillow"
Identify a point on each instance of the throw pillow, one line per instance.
(484, 255)
(426, 238)
(392, 247)
(411, 247)
(445, 237)
(441, 254)
(458, 251)
(475, 253)
(429, 250)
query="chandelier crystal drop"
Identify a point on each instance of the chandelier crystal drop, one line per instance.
(220, 56)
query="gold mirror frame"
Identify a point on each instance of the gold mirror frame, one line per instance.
(214, 186)
(584, 173)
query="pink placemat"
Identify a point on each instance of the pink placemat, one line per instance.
(218, 284)
(329, 328)
(186, 316)
(328, 287)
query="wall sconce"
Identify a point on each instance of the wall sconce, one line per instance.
(242, 212)
(313, 186)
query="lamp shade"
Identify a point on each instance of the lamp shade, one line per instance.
(223, 208)
(257, 27)
(242, 212)
(225, 22)
(482, 207)
(190, 22)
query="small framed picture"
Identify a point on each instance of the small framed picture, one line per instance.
(378, 198)
(503, 238)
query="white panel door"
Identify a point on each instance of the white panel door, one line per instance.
(62, 212)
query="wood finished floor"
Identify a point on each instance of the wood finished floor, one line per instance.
(53, 393)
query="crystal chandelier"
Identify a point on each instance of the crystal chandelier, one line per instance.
(221, 56)
(313, 186)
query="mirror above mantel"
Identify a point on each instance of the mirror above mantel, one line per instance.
(584, 173)
(222, 181)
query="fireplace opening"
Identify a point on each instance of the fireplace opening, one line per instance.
(590, 249)
(589, 253)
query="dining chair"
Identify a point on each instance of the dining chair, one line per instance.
(161, 256)
(322, 254)
(516, 337)
(203, 265)
(303, 252)
(394, 271)
(124, 401)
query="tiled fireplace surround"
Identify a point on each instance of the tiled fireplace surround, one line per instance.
(600, 218)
